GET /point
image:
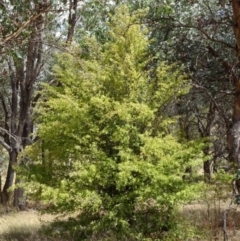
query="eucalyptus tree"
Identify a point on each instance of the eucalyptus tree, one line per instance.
(199, 34)
(21, 55)
(26, 45)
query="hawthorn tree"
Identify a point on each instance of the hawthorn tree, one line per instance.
(106, 147)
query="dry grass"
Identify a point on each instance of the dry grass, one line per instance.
(205, 216)
(19, 226)
(208, 217)
(22, 226)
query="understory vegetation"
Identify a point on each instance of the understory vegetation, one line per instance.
(201, 219)
(107, 150)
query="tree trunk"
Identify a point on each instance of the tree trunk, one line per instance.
(207, 165)
(19, 199)
(0, 181)
(6, 194)
(234, 132)
(72, 19)
(207, 170)
(23, 74)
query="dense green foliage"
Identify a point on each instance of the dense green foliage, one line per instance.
(106, 149)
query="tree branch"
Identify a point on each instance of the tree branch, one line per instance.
(181, 25)
(214, 102)
(207, 35)
(5, 145)
(19, 31)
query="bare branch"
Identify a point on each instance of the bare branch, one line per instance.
(214, 102)
(200, 29)
(207, 35)
(5, 145)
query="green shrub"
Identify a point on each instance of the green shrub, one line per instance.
(107, 149)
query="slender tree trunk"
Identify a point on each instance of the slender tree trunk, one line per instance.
(6, 194)
(18, 199)
(207, 165)
(0, 186)
(207, 170)
(234, 132)
(72, 19)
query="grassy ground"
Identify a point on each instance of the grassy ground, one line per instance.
(22, 226)
(19, 226)
(207, 217)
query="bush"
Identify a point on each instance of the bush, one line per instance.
(107, 149)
